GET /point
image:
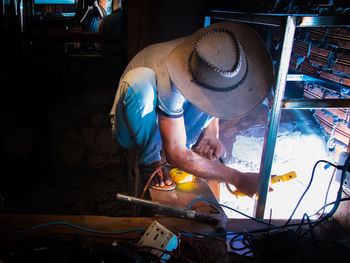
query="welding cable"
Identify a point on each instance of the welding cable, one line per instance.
(297, 233)
(337, 202)
(104, 232)
(235, 239)
(235, 210)
(331, 203)
(70, 225)
(300, 225)
(327, 192)
(307, 188)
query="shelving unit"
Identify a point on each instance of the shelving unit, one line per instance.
(288, 24)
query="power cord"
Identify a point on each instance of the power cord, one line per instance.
(70, 225)
(265, 242)
(344, 169)
(307, 188)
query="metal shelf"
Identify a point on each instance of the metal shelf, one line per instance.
(288, 24)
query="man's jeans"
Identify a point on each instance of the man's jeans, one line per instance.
(135, 122)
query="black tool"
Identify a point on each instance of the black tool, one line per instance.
(172, 210)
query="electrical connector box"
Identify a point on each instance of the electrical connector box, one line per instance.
(159, 237)
(342, 158)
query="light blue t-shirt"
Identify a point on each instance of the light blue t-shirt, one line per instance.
(176, 105)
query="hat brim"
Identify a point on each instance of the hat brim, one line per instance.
(239, 101)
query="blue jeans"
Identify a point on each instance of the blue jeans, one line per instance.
(136, 121)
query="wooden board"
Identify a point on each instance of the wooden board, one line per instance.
(99, 223)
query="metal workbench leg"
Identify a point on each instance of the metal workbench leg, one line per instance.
(275, 115)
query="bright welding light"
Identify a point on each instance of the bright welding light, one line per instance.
(299, 145)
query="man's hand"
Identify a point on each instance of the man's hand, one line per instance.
(247, 183)
(210, 148)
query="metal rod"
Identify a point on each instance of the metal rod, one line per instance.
(303, 20)
(324, 21)
(315, 103)
(248, 18)
(275, 115)
(167, 209)
(337, 87)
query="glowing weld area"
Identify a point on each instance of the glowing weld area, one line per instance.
(300, 143)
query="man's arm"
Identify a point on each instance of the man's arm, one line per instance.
(210, 145)
(173, 135)
(213, 129)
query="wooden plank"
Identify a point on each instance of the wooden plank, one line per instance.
(342, 132)
(312, 253)
(116, 224)
(100, 223)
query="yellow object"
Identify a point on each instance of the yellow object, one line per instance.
(283, 178)
(179, 176)
(273, 180)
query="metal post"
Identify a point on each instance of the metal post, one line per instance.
(275, 115)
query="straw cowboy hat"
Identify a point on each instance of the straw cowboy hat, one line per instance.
(224, 69)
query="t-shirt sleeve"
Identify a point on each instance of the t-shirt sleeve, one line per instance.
(172, 105)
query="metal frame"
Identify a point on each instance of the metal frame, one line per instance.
(288, 23)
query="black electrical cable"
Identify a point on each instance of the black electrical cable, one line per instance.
(331, 203)
(250, 242)
(337, 202)
(309, 223)
(234, 239)
(70, 225)
(327, 192)
(307, 188)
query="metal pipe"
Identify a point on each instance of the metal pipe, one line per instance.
(167, 209)
(275, 115)
(337, 87)
(248, 18)
(303, 20)
(323, 21)
(316, 103)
